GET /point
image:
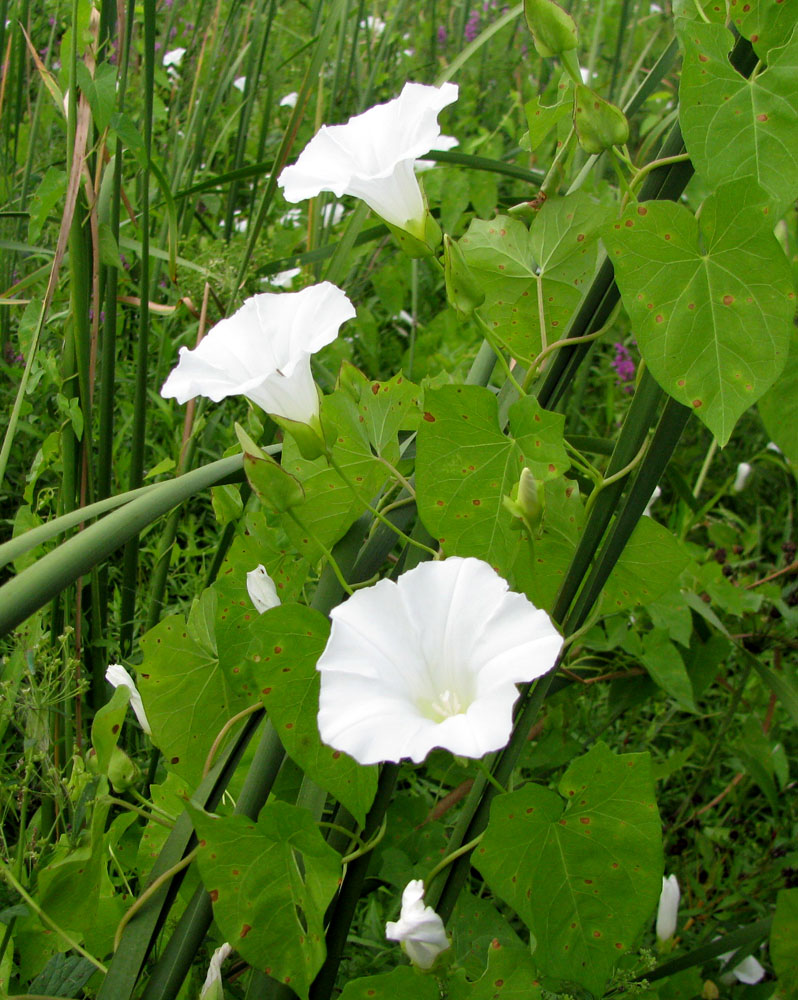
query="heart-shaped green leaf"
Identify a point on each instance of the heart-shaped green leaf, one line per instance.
(584, 874)
(710, 300)
(270, 883)
(735, 127)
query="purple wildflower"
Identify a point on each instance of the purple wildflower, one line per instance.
(624, 367)
(472, 26)
(11, 356)
(441, 35)
(157, 46)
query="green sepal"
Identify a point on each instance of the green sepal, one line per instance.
(599, 125)
(309, 437)
(553, 29)
(463, 292)
(420, 244)
(277, 488)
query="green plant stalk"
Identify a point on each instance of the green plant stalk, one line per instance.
(131, 555)
(140, 934)
(39, 583)
(168, 975)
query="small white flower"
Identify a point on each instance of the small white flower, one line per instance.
(375, 25)
(431, 660)
(654, 497)
(744, 471)
(291, 217)
(173, 58)
(419, 928)
(282, 279)
(289, 101)
(749, 971)
(263, 352)
(212, 988)
(372, 156)
(240, 83)
(117, 676)
(332, 214)
(772, 446)
(668, 909)
(261, 589)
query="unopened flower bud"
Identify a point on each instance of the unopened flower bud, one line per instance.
(553, 29)
(668, 909)
(744, 471)
(599, 124)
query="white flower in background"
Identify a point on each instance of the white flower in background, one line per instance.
(749, 971)
(419, 928)
(291, 217)
(772, 446)
(240, 83)
(282, 279)
(212, 988)
(374, 25)
(262, 590)
(668, 909)
(431, 660)
(289, 101)
(332, 214)
(744, 471)
(117, 676)
(372, 156)
(263, 352)
(653, 499)
(172, 60)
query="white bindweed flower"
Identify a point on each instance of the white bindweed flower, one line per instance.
(212, 988)
(749, 971)
(744, 470)
(261, 589)
(372, 156)
(668, 909)
(375, 25)
(117, 676)
(332, 214)
(431, 660)
(289, 101)
(240, 83)
(419, 928)
(263, 352)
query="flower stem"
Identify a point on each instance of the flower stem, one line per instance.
(223, 732)
(373, 510)
(9, 876)
(445, 862)
(328, 555)
(369, 845)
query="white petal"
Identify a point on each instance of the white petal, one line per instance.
(430, 661)
(262, 590)
(744, 470)
(749, 971)
(289, 101)
(263, 352)
(116, 675)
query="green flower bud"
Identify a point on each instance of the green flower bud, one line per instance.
(599, 124)
(527, 501)
(122, 772)
(462, 291)
(553, 29)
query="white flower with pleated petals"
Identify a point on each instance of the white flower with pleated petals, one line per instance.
(262, 590)
(431, 660)
(749, 971)
(419, 928)
(373, 154)
(117, 676)
(668, 908)
(263, 352)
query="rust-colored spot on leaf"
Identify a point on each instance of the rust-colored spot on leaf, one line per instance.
(429, 417)
(214, 894)
(728, 299)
